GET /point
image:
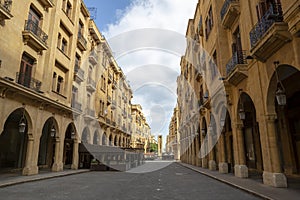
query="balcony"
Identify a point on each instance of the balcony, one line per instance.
(78, 74)
(236, 68)
(5, 8)
(270, 34)
(114, 85)
(108, 99)
(91, 85)
(110, 78)
(229, 12)
(76, 105)
(93, 57)
(114, 105)
(107, 121)
(46, 4)
(89, 114)
(81, 42)
(34, 36)
(94, 31)
(28, 81)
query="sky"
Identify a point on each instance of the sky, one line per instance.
(147, 38)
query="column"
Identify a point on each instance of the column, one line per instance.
(29, 169)
(223, 165)
(273, 175)
(240, 168)
(212, 160)
(57, 165)
(75, 155)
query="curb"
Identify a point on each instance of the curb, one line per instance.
(33, 179)
(227, 182)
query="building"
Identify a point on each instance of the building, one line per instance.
(159, 146)
(241, 67)
(173, 139)
(61, 89)
(141, 136)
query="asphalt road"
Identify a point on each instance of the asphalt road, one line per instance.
(170, 182)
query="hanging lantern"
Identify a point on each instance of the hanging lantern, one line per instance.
(22, 126)
(281, 97)
(222, 123)
(73, 135)
(242, 114)
(203, 131)
(53, 132)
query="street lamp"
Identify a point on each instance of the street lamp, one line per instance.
(280, 93)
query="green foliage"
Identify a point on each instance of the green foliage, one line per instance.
(153, 147)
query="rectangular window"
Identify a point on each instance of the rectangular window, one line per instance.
(209, 23)
(24, 75)
(64, 46)
(60, 84)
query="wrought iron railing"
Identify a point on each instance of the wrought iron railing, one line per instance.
(239, 57)
(6, 4)
(94, 55)
(75, 104)
(82, 40)
(274, 14)
(28, 81)
(91, 82)
(225, 7)
(78, 71)
(90, 112)
(34, 28)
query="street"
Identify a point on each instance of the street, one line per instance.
(173, 181)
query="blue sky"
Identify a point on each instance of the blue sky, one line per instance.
(148, 40)
(107, 10)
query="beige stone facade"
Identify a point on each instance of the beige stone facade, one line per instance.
(173, 139)
(60, 87)
(240, 54)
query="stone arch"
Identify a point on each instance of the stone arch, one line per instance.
(85, 137)
(13, 143)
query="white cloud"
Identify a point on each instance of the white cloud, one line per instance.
(150, 52)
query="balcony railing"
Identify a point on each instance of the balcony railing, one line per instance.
(238, 57)
(76, 105)
(91, 85)
(34, 36)
(81, 41)
(28, 81)
(90, 112)
(236, 68)
(226, 6)
(78, 73)
(6, 5)
(93, 57)
(274, 14)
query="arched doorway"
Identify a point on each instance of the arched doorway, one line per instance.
(96, 138)
(204, 145)
(85, 156)
(110, 140)
(47, 144)
(251, 135)
(104, 139)
(13, 141)
(288, 118)
(68, 146)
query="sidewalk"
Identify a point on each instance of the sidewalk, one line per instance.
(9, 179)
(254, 187)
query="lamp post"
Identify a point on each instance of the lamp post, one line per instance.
(280, 93)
